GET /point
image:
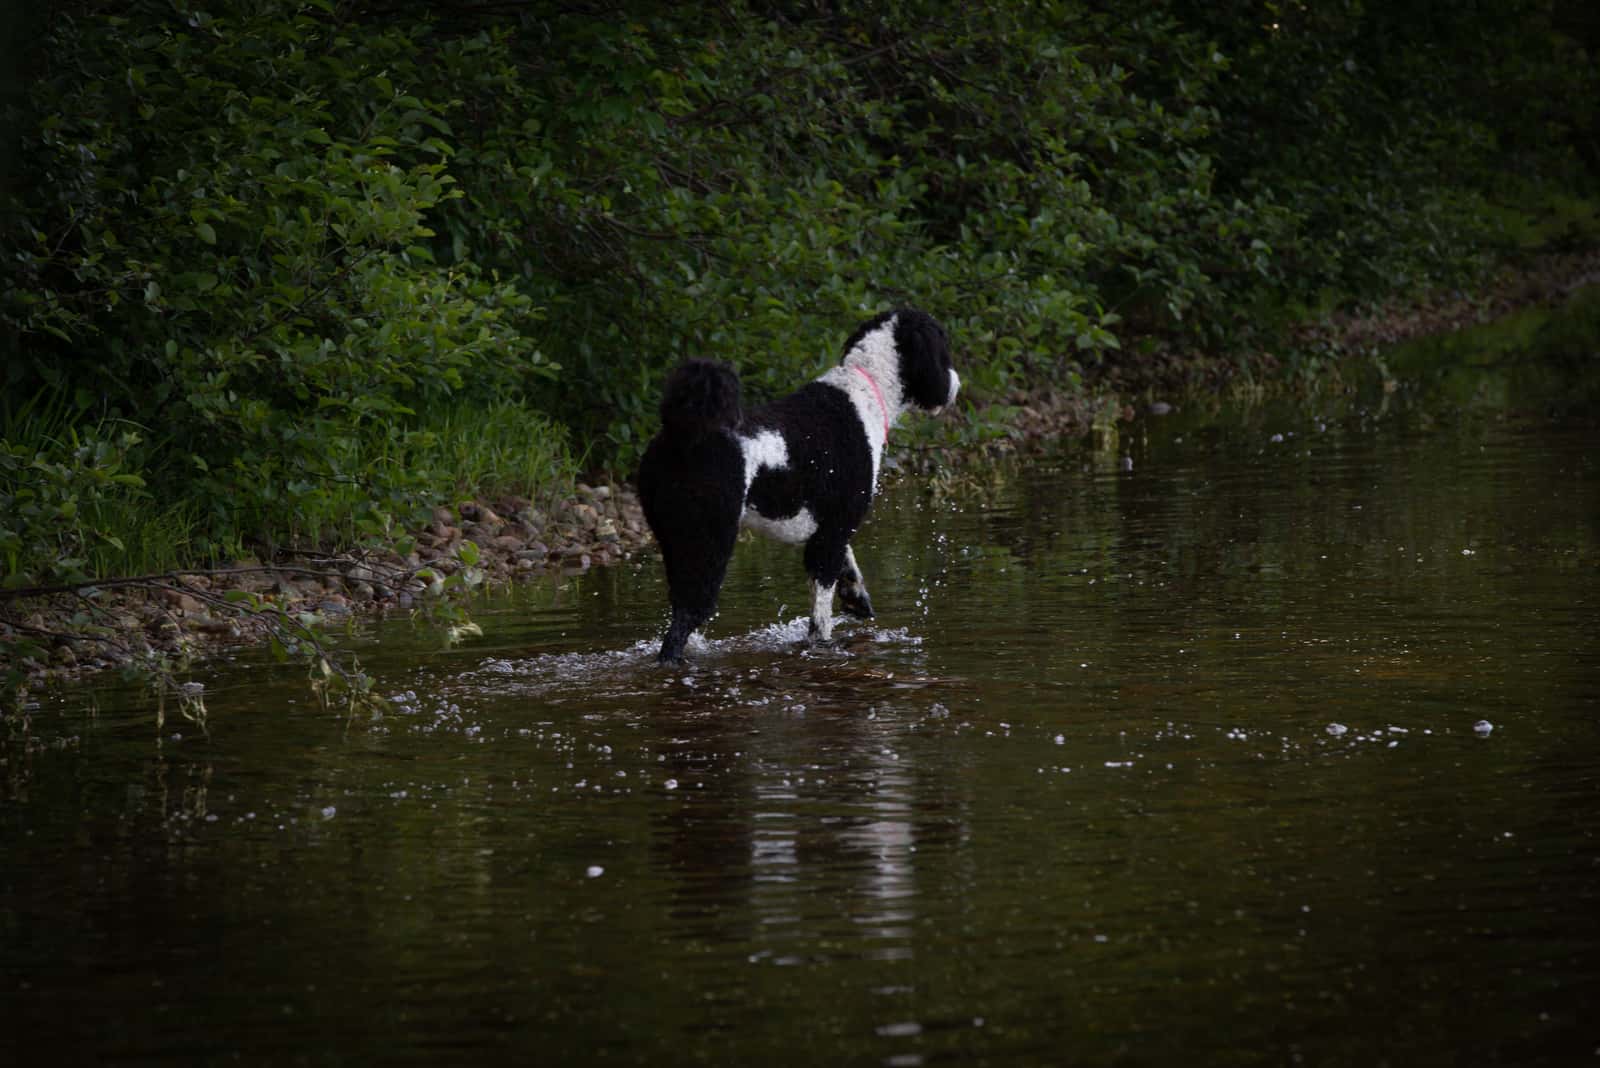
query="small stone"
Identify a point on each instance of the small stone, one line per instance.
(513, 505)
(208, 624)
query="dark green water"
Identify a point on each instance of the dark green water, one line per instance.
(1169, 764)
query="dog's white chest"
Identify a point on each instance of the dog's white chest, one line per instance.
(793, 529)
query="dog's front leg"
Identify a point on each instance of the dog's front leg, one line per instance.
(853, 588)
(821, 629)
(831, 566)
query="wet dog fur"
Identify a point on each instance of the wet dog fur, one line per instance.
(802, 469)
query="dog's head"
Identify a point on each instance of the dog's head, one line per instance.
(921, 355)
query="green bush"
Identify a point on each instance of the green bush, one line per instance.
(227, 240)
(55, 503)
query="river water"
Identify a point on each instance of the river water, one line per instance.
(1262, 737)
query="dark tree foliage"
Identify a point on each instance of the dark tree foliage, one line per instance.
(257, 252)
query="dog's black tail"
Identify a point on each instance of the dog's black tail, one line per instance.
(701, 397)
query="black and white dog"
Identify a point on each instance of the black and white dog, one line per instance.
(801, 469)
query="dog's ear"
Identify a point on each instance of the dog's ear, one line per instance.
(924, 358)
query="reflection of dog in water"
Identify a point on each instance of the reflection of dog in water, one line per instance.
(802, 469)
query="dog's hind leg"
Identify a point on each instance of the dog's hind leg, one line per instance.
(693, 585)
(684, 623)
(695, 570)
(853, 588)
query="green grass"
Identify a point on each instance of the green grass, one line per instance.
(496, 450)
(391, 475)
(94, 498)
(152, 539)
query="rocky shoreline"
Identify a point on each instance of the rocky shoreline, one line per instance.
(181, 616)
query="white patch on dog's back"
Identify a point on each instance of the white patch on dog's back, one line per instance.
(765, 449)
(762, 451)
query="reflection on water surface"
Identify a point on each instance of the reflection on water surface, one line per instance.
(1182, 761)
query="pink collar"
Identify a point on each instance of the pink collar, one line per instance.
(876, 392)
